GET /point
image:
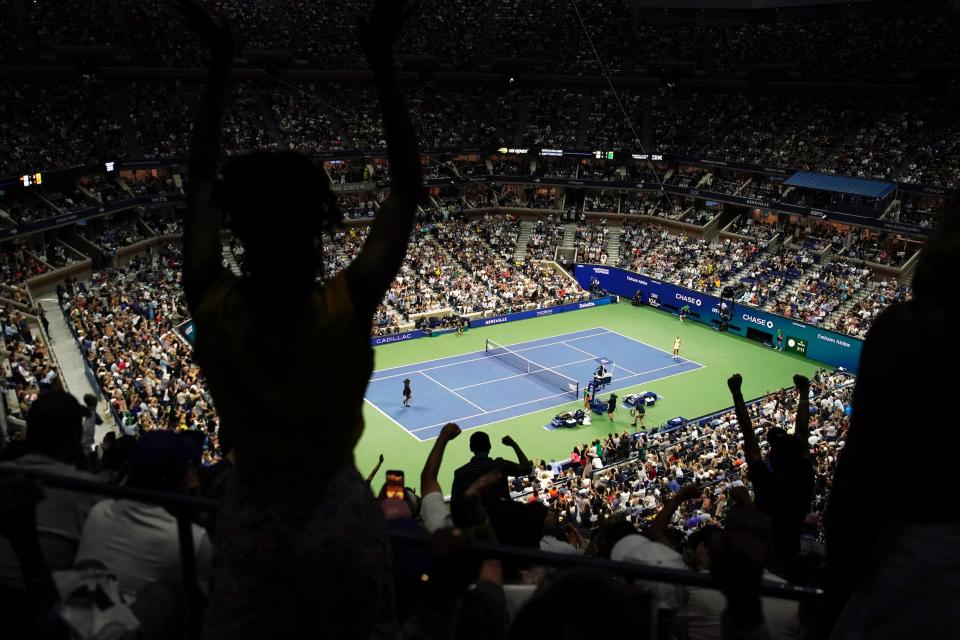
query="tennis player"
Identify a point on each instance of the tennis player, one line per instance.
(611, 406)
(676, 348)
(406, 392)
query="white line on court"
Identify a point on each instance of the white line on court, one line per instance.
(594, 357)
(388, 417)
(649, 345)
(437, 382)
(555, 406)
(520, 375)
(407, 372)
(556, 395)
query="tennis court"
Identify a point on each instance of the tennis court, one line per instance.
(499, 382)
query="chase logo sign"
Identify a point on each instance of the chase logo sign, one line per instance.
(694, 301)
(758, 321)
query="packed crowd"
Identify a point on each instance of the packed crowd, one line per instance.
(28, 366)
(897, 138)
(458, 265)
(546, 235)
(633, 474)
(291, 533)
(590, 239)
(125, 322)
(695, 264)
(866, 47)
(820, 291)
(857, 319)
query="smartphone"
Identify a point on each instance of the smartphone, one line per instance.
(395, 484)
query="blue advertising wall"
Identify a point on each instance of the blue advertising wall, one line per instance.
(833, 348)
(486, 322)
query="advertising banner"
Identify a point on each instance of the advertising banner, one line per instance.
(486, 322)
(830, 347)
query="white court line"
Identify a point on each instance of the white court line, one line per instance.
(595, 357)
(407, 372)
(670, 353)
(388, 417)
(514, 406)
(572, 333)
(555, 406)
(520, 375)
(437, 382)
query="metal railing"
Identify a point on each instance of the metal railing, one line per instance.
(183, 507)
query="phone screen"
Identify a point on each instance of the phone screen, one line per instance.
(395, 484)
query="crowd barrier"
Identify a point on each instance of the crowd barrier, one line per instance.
(185, 508)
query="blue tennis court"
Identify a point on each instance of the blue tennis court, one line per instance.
(480, 388)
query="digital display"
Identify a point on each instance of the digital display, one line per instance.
(31, 179)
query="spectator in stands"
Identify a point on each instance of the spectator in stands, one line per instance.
(894, 556)
(327, 536)
(434, 511)
(139, 541)
(54, 430)
(481, 464)
(783, 484)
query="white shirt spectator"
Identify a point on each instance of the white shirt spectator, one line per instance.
(139, 543)
(700, 616)
(60, 518)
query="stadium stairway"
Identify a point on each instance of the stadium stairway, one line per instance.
(230, 259)
(68, 356)
(569, 232)
(526, 230)
(613, 244)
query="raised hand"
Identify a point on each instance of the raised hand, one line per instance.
(213, 29)
(378, 33)
(508, 441)
(734, 382)
(450, 431)
(803, 384)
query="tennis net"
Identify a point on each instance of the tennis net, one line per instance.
(546, 374)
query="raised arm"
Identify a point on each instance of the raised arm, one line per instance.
(373, 474)
(522, 459)
(802, 430)
(431, 468)
(750, 445)
(658, 528)
(201, 226)
(375, 268)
